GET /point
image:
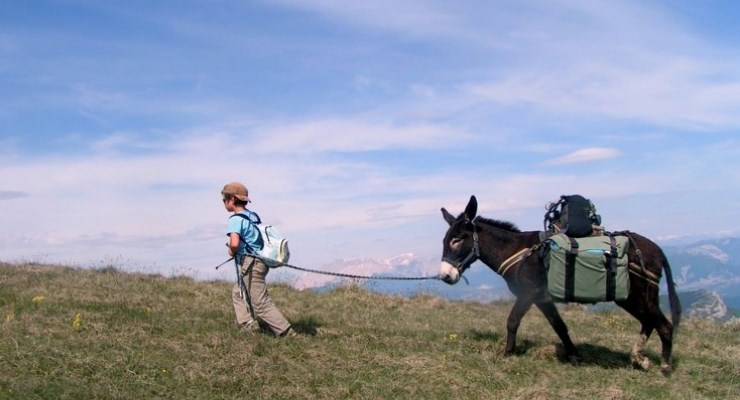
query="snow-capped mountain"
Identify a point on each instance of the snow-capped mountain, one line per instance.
(404, 265)
(484, 285)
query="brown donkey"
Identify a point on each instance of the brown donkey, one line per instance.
(470, 238)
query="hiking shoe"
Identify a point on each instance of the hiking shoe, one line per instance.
(251, 328)
(289, 333)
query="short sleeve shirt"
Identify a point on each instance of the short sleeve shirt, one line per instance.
(246, 228)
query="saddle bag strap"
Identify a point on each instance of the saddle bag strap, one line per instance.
(611, 269)
(570, 270)
(633, 244)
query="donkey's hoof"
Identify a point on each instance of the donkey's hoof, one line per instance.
(666, 369)
(574, 359)
(642, 363)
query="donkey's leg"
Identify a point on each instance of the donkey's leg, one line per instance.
(557, 323)
(647, 324)
(521, 306)
(636, 355)
(665, 331)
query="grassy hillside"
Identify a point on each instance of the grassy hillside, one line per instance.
(69, 333)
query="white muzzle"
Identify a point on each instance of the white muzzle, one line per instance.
(448, 273)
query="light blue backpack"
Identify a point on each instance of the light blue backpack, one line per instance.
(274, 252)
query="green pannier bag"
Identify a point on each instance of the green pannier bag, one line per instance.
(587, 270)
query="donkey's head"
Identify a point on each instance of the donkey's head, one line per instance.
(460, 244)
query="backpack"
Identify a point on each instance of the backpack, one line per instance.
(587, 270)
(575, 218)
(274, 252)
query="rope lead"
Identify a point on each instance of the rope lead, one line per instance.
(395, 278)
(314, 271)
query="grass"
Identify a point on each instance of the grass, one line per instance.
(101, 333)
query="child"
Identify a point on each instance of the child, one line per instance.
(244, 240)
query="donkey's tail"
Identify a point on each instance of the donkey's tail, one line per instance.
(675, 303)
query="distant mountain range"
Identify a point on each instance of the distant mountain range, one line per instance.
(703, 303)
(707, 274)
(713, 265)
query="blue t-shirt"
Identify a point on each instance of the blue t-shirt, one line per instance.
(251, 240)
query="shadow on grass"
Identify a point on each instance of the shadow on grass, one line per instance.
(590, 354)
(307, 326)
(603, 357)
(596, 355)
(484, 335)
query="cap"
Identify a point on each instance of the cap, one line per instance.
(237, 190)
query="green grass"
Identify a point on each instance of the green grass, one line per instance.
(146, 336)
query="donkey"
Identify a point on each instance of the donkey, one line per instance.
(513, 254)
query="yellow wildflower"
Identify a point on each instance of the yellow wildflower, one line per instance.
(77, 323)
(38, 299)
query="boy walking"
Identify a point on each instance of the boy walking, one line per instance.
(244, 241)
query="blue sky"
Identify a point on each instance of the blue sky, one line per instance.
(352, 123)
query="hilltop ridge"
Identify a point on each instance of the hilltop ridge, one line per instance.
(103, 333)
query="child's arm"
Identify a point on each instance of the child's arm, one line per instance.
(233, 243)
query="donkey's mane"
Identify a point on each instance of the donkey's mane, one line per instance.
(505, 225)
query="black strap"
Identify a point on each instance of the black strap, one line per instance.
(257, 222)
(570, 270)
(633, 243)
(553, 214)
(611, 270)
(241, 239)
(244, 286)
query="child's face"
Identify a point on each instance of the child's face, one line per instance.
(229, 204)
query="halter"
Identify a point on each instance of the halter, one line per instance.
(471, 257)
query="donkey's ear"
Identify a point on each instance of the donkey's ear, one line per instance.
(472, 208)
(448, 217)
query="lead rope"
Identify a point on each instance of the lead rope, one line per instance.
(314, 271)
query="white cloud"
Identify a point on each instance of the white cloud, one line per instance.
(673, 93)
(167, 200)
(414, 17)
(11, 194)
(585, 155)
(347, 135)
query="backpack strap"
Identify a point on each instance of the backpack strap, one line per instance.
(255, 223)
(570, 270)
(611, 269)
(245, 216)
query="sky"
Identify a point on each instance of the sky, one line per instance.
(353, 123)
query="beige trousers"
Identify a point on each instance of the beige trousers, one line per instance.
(262, 305)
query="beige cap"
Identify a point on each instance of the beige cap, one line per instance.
(237, 190)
